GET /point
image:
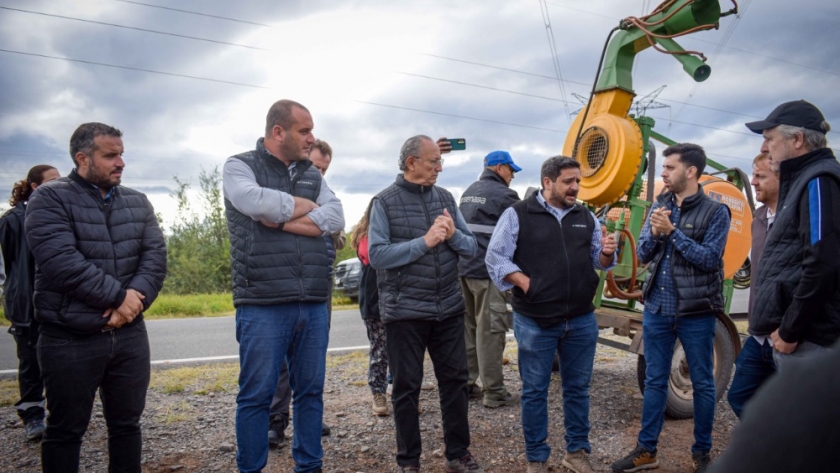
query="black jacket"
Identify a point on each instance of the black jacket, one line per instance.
(791, 423)
(482, 204)
(798, 284)
(19, 267)
(89, 252)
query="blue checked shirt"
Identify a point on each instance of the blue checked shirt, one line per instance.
(499, 259)
(705, 256)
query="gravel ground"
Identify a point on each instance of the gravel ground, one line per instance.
(195, 432)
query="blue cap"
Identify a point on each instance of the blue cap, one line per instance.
(501, 157)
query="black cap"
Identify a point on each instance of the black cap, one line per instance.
(797, 113)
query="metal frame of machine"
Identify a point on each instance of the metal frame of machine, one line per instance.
(617, 157)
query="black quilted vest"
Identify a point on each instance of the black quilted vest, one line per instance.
(781, 260)
(698, 291)
(557, 258)
(426, 289)
(270, 266)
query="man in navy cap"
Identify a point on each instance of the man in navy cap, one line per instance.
(797, 293)
(486, 321)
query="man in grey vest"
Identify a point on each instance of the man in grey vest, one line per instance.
(755, 361)
(797, 294)
(546, 248)
(416, 236)
(682, 242)
(278, 210)
(486, 321)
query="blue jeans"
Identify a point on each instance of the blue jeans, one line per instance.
(117, 364)
(696, 334)
(575, 341)
(754, 366)
(268, 335)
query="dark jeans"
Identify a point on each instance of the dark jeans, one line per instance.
(268, 336)
(278, 415)
(31, 403)
(116, 363)
(696, 334)
(754, 366)
(407, 343)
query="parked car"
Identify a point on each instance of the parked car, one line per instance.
(348, 273)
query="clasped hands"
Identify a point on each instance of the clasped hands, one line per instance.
(660, 222)
(442, 229)
(126, 312)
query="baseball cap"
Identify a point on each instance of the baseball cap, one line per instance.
(501, 157)
(798, 113)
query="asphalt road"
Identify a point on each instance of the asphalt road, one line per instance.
(210, 339)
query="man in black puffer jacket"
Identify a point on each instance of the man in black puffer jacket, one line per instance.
(101, 261)
(416, 236)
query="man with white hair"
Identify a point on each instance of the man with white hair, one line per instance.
(416, 236)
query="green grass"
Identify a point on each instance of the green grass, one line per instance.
(174, 306)
(169, 306)
(205, 379)
(9, 393)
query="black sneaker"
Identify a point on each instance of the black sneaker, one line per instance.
(475, 391)
(276, 435)
(34, 430)
(325, 430)
(639, 459)
(464, 464)
(701, 461)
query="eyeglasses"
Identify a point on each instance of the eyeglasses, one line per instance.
(433, 162)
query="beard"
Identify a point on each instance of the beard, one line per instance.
(293, 151)
(558, 200)
(102, 178)
(678, 184)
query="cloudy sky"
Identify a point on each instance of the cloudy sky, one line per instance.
(189, 81)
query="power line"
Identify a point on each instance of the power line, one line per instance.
(227, 43)
(242, 84)
(479, 86)
(711, 42)
(196, 13)
(555, 56)
(139, 69)
(767, 57)
(727, 35)
(145, 30)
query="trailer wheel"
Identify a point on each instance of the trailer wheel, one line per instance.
(680, 400)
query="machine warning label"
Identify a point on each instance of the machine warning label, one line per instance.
(734, 204)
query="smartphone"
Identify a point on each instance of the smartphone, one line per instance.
(458, 144)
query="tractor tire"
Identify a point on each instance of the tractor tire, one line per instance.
(680, 400)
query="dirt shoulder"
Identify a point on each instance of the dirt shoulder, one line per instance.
(188, 424)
